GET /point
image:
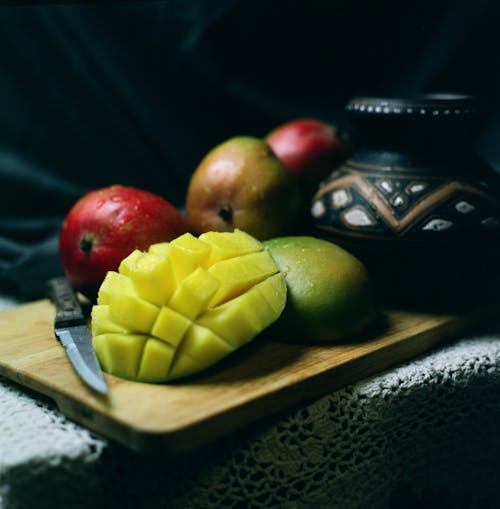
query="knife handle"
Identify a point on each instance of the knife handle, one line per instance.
(68, 309)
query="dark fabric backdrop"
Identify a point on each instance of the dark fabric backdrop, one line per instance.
(136, 93)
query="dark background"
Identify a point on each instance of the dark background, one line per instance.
(97, 93)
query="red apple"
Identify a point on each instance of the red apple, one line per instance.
(309, 148)
(106, 225)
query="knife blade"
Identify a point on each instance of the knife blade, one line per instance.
(71, 329)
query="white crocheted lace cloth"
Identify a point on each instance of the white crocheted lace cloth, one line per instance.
(423, 433)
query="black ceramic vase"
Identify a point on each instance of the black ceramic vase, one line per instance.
(414, 201)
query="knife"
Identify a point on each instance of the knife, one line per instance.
(71, 329)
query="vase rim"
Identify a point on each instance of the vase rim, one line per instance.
(435, 104)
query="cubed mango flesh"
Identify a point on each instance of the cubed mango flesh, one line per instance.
(187, 254)
(225, 245)
(184, 305)
(239, 320)
(152, 278)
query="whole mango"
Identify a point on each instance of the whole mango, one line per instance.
(241, 184)
(330, 295)
(107, 224)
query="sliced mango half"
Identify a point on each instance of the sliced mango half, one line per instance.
(184, 305)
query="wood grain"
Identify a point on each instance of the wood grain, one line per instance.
(263, 378)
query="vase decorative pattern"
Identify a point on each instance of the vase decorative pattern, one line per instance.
(414, 194)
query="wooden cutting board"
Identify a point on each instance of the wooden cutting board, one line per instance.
(263, 378)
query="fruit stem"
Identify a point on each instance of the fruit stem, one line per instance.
(86, 243)
(226, 213)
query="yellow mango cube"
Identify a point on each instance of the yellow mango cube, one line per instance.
(120, 354)
(187, 254)
(226, 245)
(101, 322)
(100, 343)
(193, 295)
(183, 366)
(153, 278)
(114, 282)
(132, 312)
(204, 346)
(160, 248)
(155, 362)
(170, 326)
(239, 320)
(273, 289)
(128, 264)
(238, 274)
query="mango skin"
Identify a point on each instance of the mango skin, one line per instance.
(330, 295)
(241, 184)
